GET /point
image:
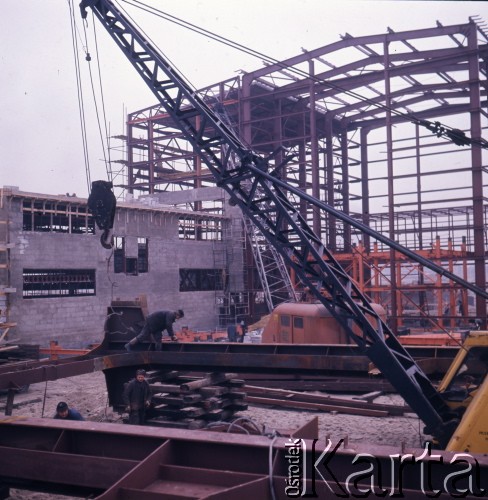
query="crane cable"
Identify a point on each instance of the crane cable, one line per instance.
(95, 100)
(105, 145)
(456, 136)
(147, 37)
(81, 105)
(81, 108)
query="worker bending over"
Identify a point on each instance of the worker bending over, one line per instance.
(154, 326)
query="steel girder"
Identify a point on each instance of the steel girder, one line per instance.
(112, 461)
(317, 360)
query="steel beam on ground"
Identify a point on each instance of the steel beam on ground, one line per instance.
(116, 461)
(322, 402)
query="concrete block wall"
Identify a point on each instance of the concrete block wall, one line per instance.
(78, 321)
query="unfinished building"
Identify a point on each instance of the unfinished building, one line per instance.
(386, 128)
(58, 282)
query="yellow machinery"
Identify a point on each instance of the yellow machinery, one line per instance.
(465, 389)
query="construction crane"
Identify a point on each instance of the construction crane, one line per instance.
(253, 183)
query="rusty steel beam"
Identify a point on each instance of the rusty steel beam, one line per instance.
(320, 407)
(55, 351)
(113, 461)
(17, 375)
(322, 402)
(341, 383)
(225, 357)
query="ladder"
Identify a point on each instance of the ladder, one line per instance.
(273, 275)
(233, 300)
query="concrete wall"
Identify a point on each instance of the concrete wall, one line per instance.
(78, 321)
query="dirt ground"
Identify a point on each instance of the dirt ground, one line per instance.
(88, 395)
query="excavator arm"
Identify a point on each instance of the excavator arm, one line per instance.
(253, 183)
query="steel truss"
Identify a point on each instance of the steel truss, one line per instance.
(360, 119)
(255, 185)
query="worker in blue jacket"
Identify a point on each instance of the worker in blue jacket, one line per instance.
(64, 412)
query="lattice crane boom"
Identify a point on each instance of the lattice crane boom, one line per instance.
(253, 184)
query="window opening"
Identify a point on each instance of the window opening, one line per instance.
(131, 266)
(194, 228)
(39, 283)
(201, 280)
(142, 255)
(46, 217)
(297, 322)
(285, 320)
(119, 254)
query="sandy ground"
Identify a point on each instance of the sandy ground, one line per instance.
(87, 393)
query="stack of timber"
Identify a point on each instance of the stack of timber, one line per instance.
(11, 351)
(193, 403)
(19, 352)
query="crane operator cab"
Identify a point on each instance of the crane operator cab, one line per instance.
(465, 390)
(469, 375)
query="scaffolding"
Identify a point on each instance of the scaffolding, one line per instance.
(355, 120)
(5, 284)
(232, 301)
(425, 300)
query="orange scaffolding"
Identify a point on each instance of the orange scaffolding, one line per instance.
(424, 300)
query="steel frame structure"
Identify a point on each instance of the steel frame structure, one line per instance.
(354, 112)
(253, 181)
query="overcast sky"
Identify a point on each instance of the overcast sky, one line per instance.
(40, 134)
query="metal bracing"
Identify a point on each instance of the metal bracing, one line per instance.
(424, 300)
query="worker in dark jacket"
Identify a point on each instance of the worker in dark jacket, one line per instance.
(154, 326)
(63, 412)
(137, 398)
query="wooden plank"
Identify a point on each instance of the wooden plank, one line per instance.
(369, 397)
(218, 415)
(193, 411)
(9, 348)
(324, 399)
(213, 391)
(170, 388)
(22, 403)
(211, 379)
(237, 394)
(170, 401)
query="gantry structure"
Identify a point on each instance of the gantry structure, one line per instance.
(387, 128)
